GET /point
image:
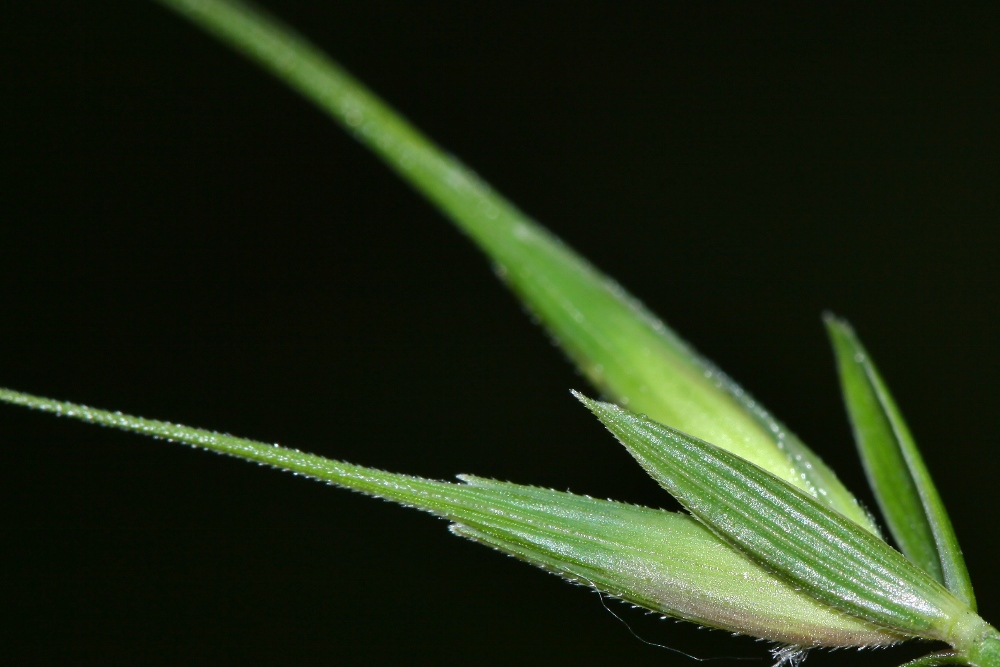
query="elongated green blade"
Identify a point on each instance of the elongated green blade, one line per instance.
(663, 561)
(628, 353)
(902, 484)
(831, 558)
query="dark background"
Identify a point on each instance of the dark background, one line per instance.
(185, 239)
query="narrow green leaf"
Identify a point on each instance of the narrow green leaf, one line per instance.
(833, 559)
(664, 561)
(902, 484)
(626, 351)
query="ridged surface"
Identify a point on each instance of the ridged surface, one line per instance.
(832, 559)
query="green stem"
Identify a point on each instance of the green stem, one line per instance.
(451, 186)
(983, 649)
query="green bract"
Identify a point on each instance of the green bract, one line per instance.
(774, 546)
(902, 484)
(798, 538)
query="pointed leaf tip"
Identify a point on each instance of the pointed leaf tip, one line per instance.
(830, 557)
(903, 487)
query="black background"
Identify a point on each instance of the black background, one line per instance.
(185, 239)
